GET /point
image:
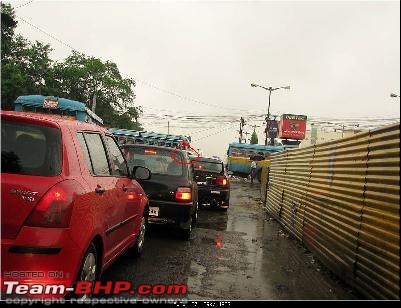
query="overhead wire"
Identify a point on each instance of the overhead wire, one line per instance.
(48, 34)
(146, 83)
(24, 4)
(211, 118)
(183, 97)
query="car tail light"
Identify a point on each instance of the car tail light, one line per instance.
(183, 194)
(55, 208)
(222, 181)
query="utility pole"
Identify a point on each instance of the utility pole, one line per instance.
(241, 126)
(168, 127)
(268, 118)
(246, 133)
(270, 89)
(93, 107)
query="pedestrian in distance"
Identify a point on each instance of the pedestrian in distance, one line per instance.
(253, 171)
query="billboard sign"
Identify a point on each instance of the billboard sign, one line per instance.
(273, 128)
(292, 126)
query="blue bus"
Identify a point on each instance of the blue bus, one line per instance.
(56, 105)
(143, 137)
(240, 156)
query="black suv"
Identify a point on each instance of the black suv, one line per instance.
(213, 184)
(172, 192)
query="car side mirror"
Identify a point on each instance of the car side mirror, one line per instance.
(141, 173)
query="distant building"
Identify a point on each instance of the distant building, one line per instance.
(317, 134)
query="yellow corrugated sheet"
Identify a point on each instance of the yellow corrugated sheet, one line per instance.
(341, 199)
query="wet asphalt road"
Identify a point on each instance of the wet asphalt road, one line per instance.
(241, 254)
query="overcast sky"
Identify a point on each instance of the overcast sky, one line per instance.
(341, 59)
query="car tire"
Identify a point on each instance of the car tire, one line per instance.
(89, 268)
(195, 216)
(137, 249)
(185, 234)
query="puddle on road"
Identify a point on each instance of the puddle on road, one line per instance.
(246, 255)
(195, 279)
(222, 269)
(213, 220)
(212, 226)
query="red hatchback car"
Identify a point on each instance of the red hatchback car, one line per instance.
(69, 205)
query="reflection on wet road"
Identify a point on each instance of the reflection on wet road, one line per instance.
(241, 254)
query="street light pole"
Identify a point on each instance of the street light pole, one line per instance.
(270, 89)
(268, 118)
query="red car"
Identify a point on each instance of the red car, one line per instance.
(69, 205)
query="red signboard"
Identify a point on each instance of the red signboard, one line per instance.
(51, 103)
(292, 127)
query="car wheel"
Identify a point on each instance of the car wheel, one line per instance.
(138, 247)
(185, 234)
(89, 268)
(195, 216)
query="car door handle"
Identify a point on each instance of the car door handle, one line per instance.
(125, 188)
(100, 190)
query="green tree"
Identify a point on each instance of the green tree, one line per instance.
(82, 78)
(25, 67)
(254, 138)
(8, 25)
(27, 71)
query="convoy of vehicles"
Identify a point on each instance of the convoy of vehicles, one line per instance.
(88, 193)
(240, 156)
(172, 191)
(69, 202)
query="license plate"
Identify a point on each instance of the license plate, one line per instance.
(201, 183)
(215, 192)
(153, 211)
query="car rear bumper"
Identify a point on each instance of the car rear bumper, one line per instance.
(171, 212)
(214, 196)
(40, 256)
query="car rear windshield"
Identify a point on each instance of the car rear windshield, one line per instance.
(158, 161)
(30, 149)
(214, 167)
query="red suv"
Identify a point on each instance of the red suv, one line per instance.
(69, 204)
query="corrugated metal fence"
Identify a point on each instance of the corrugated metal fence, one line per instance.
(341, 199)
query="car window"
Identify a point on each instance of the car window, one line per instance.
(214, 167)
(30, 149)
(118, 164)
(158, 161)
(97, 154)
(85, 151)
